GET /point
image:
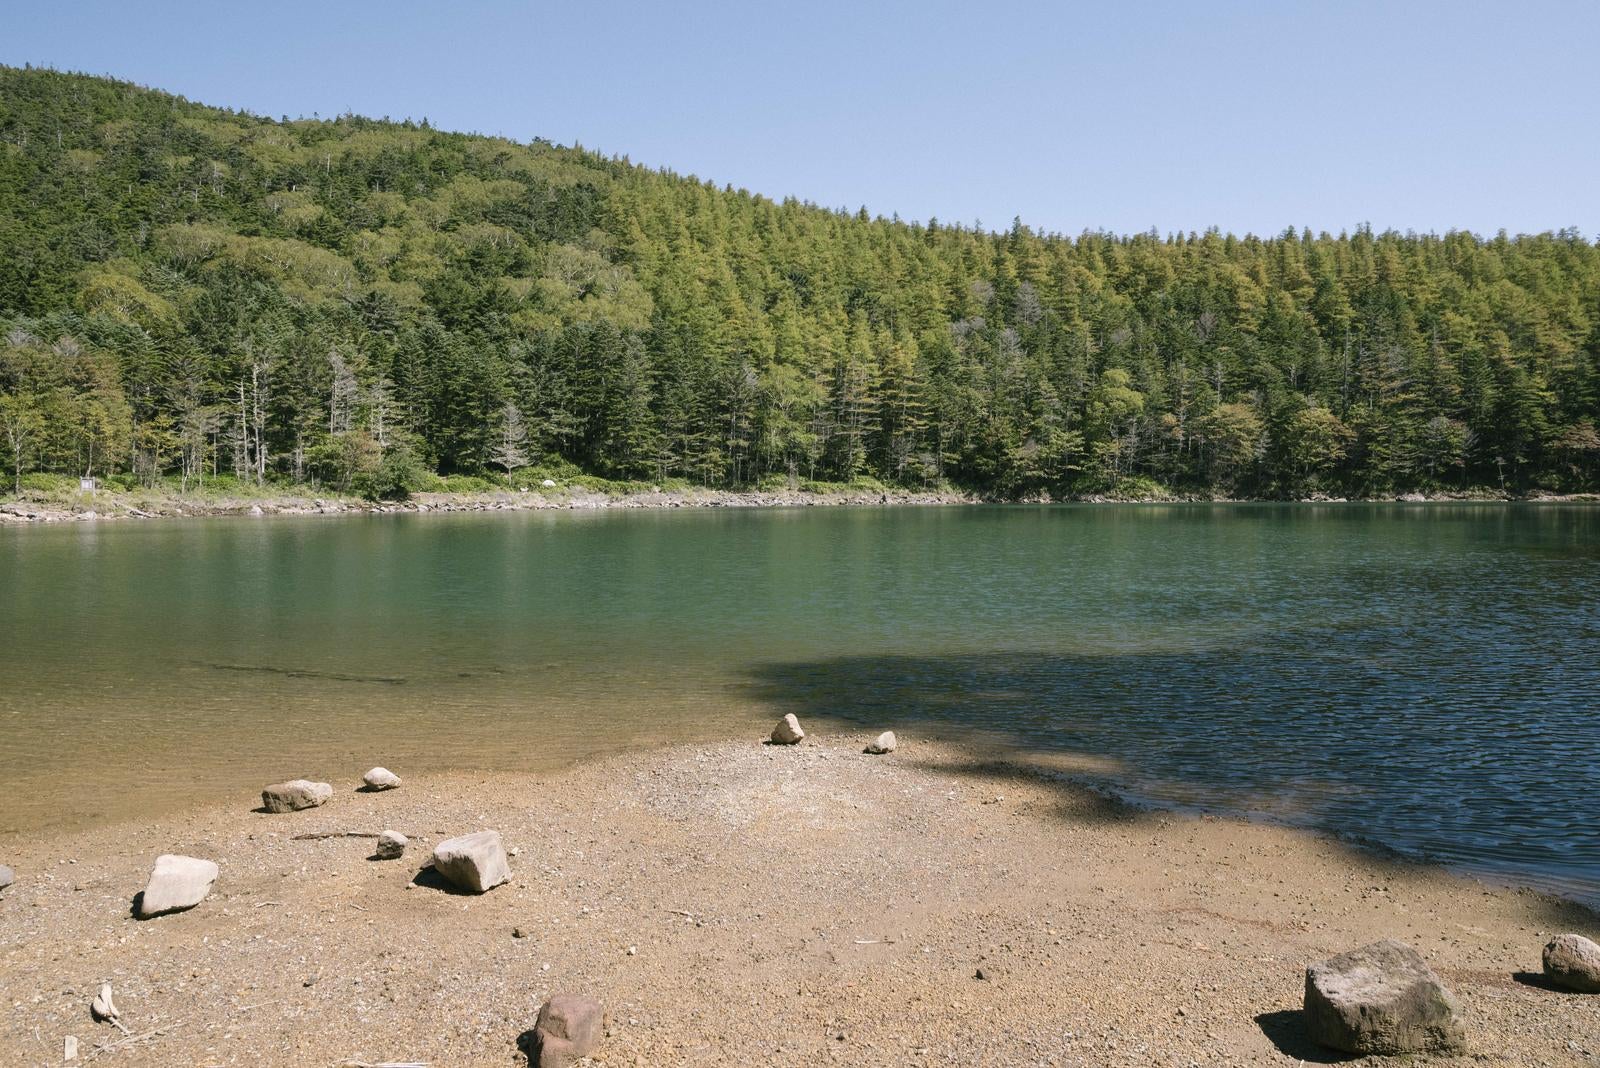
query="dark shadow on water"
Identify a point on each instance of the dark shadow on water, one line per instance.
(1417, 746)
(1286, 1029)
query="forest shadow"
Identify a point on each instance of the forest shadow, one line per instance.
(1282, 728)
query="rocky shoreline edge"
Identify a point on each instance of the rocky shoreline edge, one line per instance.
(108, 506)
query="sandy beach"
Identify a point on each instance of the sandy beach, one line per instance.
(752, 904)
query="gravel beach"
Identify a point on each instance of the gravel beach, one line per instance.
(751, 904)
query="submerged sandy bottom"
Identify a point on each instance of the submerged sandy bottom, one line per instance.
(750, 904)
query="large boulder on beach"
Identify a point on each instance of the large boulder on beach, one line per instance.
(788, 731)
(381, 779)
(1380, 999)
(1572, 962)
(569, 1028)
(7, 876)
(883, 743)
(473, 862)
(295, 794)
(176, 883)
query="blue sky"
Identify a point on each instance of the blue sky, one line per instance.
(1251, 116)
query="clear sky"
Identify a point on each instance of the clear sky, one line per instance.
(1251, 115)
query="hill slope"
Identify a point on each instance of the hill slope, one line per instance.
(193, 293)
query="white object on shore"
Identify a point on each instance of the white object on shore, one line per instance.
(176, 883)
(69, 1048)
(392, 845)
(473, 862)
(1572, 962)
(788, 731)
(7, 876)
(295, 794)
(103, 1007)
(381, 779)
(883, 743)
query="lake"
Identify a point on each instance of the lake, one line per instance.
(1424, 676)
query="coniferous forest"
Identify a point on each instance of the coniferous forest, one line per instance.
(190, 295)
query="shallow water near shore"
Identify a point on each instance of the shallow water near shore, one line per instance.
(1423, 676)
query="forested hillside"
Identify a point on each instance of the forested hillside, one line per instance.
(193, 294)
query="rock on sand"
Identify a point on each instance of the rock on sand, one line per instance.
(295, 794)
(391, 845)
(1572, 962)
(381, 779)
(473, 862)
(176, 883)
(788, 731)
(569, 1028)
(1380, 999)
(883, 743)
(7, 876)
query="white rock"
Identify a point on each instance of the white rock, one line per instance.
(391, 845)
(473, 862)
(103, 1007)
(7, 876)
(295, 794)
(176, 883)
(381, 779)
(788, 731)
(1572, 962)
(547, 483)
(883, 743)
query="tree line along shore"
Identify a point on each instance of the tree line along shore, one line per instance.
(367, 307)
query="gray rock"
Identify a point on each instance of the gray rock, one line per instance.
(1381, 999)
(391, 845)
(295, 794)
(788, 731)
(381, 779)
(569, 1027)
(1572, 962)
(473, 862)
(883, 743)
(176, 883)
(7, 876)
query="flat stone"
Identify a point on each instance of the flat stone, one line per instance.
(883, 743)
(176, 883)
(295, 794)
(381, 779)
(1381, 999)
(7, 876)
(473, 862)
(391, 845)
(1572, 962)
(788, 731)
(569, 1027)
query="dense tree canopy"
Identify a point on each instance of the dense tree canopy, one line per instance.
(187, 291)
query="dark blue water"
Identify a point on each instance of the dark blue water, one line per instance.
(1426, 677)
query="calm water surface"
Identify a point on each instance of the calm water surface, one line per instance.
(1423, 676)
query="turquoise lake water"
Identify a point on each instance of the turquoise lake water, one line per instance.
(1424, 676)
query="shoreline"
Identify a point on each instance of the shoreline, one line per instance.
(738, 903)
(111, 505)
